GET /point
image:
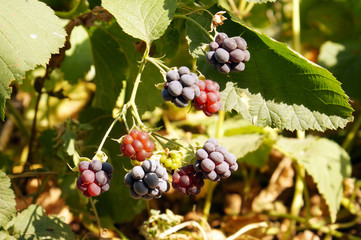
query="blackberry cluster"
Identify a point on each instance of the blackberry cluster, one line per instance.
(137, 145)
(209, 99)
(95, 177)
(181, 87)
(172, 160)
(228, 54)
(150, 180)
(214, 161)
(187, 180)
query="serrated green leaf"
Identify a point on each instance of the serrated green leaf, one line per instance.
(29, 33)
(325, 161)
(281, 88)
(7, 200)
(34, 223)
(78, 58)
(255, 108)
(143, 19)
(240, 145)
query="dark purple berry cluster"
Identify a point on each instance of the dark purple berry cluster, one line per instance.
(228, 54)
(187, 180)
(214, 161)
(95, 177)
(150, 180)
(181, 87)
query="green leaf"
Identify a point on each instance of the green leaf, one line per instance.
(325, 161)
(78, 58)
(240, 145)
(260, 156)
(343, 60)
(34, 223)
(110, 64)
(262, 112)
(279, 88)
(29, 33)
(7, 200)
(143, 19)
(148, 96)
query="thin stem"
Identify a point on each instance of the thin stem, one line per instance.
(96, 216)
(233, 6)
(107, 133)
(347, 144)
(70, 14)
(33, 130)
(208, 203)
(248, 9)
(302, 172)
(169, 140)
(297, 203)
(159, 64)
(242, 5)
(196, 23)
(246, 229)
(296, 26)
(212, 185)
(220, 122)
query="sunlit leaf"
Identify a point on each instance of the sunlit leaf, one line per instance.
(34, 223)
(29, 33)
(325, 161)
(7, 200)
(279, 88)
(143, 19)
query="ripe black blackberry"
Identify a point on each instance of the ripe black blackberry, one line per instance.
(187, 180)
(150, 180)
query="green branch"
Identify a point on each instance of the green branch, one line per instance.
(196, 23)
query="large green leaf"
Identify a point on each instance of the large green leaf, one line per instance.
(110, 64)
(29, 33)
(143, 19)
(7, 200)
(279, 88)
(33, 223)
(325, 161)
